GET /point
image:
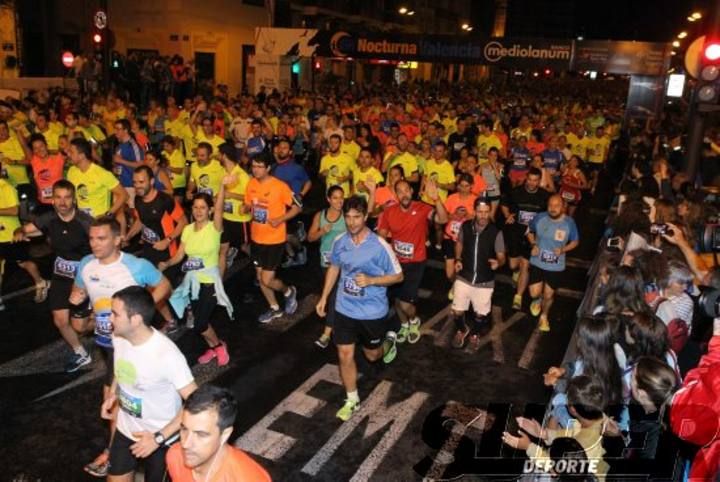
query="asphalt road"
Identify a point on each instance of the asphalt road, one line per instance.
(435, 412)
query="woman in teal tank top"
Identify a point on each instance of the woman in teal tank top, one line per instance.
(327, 225)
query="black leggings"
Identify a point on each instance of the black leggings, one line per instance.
(203, 307)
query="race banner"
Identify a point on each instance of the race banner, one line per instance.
(624, 58)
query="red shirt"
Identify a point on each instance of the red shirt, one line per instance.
(408, 230)
(234, 466)
(46, 172)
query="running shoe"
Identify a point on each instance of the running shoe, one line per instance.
(223, 357)
(301, 234)
(99, 467)
(323, 342)
(515, 276)
(207, 357)
(270, 315)
(403, 333)
(536, 306)
(347, 410)
(459, 339)
(77, 361)
(474, 343)
(301, 257)
(413, 335)
(544, 324)
(170, 327)
(517, 302)
(41, 291)
(231, 255)
(291, 303)
(389, 348)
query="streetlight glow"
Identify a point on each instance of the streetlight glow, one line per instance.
(465, 26)
(402, 10)
(411, 13)
(676, 43)
(682, 35)
(691, 19)
(696, 15)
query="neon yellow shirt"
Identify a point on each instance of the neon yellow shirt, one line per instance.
(93, 188)
(442, 173)
(8, 199)
(233, 207)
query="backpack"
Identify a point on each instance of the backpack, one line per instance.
(678, 330)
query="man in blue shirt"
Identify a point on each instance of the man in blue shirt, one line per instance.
(363, 265)
(553, 159)
(551, 234)
(128, 156)
(295, 176)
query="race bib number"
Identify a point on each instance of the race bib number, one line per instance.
(351, 288)
(65, 268)
(569, 196)
(560, 235)
(549, 257)
(129, 404)
(404, 250)
(192, 264)
(103, 325)
(149, 236)
(206, 190)
(526, 217)
(455, 227)
(227, 207)
(46, 193)
(260, 214)
(325, 257)
(519, 163)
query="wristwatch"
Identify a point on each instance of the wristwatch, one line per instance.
(159, 438)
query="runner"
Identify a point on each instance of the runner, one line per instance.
(519, 207)
(159, 217)
(67, 230)
(479, 252)
(572, 183)
(295, 176)
(161, 176)
(202, 287)
(47, 170)
(98, 192)
(205, 173)
(204, 453)
(128, 156)
(492, 172)
(150, 380)
(519, 161)
(177, 165)
(551, 234)
(337, 167)
(364, 265)
(272, 204)
(406, 224)
(10, 251)
(236, 235)
(460, 207)
(99, 275)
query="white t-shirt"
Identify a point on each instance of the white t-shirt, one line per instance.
(148, 379)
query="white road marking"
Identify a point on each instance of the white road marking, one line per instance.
(528, 353)
(378, 415)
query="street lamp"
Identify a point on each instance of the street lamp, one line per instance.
(682, 35)
(465, 26)
(402, 10)
(410, 13)
(696, 15)
(676, 44)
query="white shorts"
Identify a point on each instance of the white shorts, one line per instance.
(464, 294)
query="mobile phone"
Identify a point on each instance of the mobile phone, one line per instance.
(657, 228)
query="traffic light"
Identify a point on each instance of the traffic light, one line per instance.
(708, 89)
(296, 68)
(97, 39)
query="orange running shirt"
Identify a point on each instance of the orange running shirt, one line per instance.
(268, 200)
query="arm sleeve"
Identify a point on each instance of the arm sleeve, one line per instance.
(109, 179)
(41, 222)
(144, 273)
(78, 277)
(180, 375)
(573, 235)
(389, 261)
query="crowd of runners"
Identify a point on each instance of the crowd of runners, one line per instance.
(147, 211)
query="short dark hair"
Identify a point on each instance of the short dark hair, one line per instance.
(334, 188)
(534, 171)
(228, 150)
(357, 203)
(464, 176)
(137, 301)
(210, 397)
(335, 136)
(263, 159)
(205, 197)
(64, 184)
(146, 170)
(586, 396)
(169, 140)
(124, 123)
(398, 167)
(107, 221)
(37, 137)
(441, 144)
(83, 146)
(207, 146)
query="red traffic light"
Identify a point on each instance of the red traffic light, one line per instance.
(97, 38)
(712, 51)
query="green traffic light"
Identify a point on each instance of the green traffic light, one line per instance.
(296, 68)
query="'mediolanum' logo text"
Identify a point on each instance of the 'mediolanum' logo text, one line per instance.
(495, 51)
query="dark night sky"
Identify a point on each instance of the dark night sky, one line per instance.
(653, 20)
